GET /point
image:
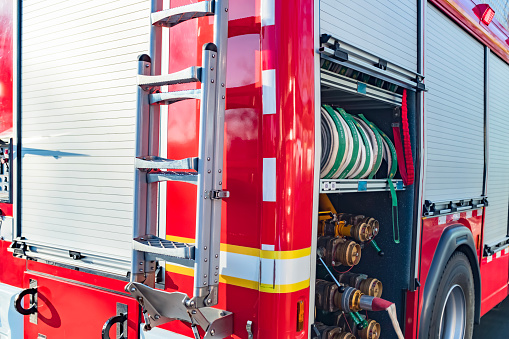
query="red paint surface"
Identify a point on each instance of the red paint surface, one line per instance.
(463, 12)
(11, 269)
(295, 113)
(6, 209)
(68, 310)
(494, 281)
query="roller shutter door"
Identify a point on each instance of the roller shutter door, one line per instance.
(79, 66)
(454, 116)
(495, 227)
(387, 29)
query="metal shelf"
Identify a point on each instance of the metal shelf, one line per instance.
(358, 185)
(355, 94)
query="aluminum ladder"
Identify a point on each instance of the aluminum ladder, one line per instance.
(205, 171)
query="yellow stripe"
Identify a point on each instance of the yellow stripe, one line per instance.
(253, 285)
(180, 270)
(254, 252)
(284, 288)
(285, 254)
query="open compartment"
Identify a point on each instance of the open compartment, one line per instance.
(365, 227)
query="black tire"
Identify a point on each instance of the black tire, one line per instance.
(457, 280)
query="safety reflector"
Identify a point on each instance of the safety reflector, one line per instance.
(300, 315)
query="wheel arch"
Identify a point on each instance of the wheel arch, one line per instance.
(455, 238)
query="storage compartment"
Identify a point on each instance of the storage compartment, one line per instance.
(357, 237)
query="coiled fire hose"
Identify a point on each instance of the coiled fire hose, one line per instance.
(354, 147)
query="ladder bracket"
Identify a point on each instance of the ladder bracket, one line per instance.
(160, 307)
(219, 194)
(153, 162)
(191, 74)
(177, 15)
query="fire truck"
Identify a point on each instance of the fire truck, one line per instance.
(263, 169)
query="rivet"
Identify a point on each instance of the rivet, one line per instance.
(157, 316)
(141, 270)
(222, 85)
(204, 275)
(211, 68)
(209, 171)
(223, 97)
(220, 183)
(212, 81)
(217, 267)
(193, 312)
(226, 9)
(215, 274)
(205, 260)
(213, 332)
(133, 289)
(213, 56)
(141, 262)
(209, 301)
(217, 256)
(205, 283)
(219, 171)
(208, 159)
(215, 281)
(205, 248)
(147, 65)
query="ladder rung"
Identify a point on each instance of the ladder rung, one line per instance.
(174, 16)
(189, 177)
(164, 249)
(153, 162)
(167, 98)
(191, 74)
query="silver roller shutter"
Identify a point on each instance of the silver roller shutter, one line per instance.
(79, 66)
(495, 225)
(387, 29)
(454, 117)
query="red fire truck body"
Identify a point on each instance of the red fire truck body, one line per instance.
(275, 88)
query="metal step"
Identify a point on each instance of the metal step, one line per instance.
(184, 176)
(161, 249)
(153, 162)
(191, 74)
(168, 98)
(174, 16)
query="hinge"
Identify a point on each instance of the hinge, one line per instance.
(340, 54)
(382, 64)
(219, 194)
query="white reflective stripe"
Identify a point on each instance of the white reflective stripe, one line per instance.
(506, 250)
(240, 266)
(269, 91)
(489, 259)
(498, 254)
(292, 271)
(468, 214)
(268, 8)
(442, 220)
(269, 179)
(456, 216)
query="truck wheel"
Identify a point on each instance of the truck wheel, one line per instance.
(452, 316)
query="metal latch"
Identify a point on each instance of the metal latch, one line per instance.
(219, 194)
